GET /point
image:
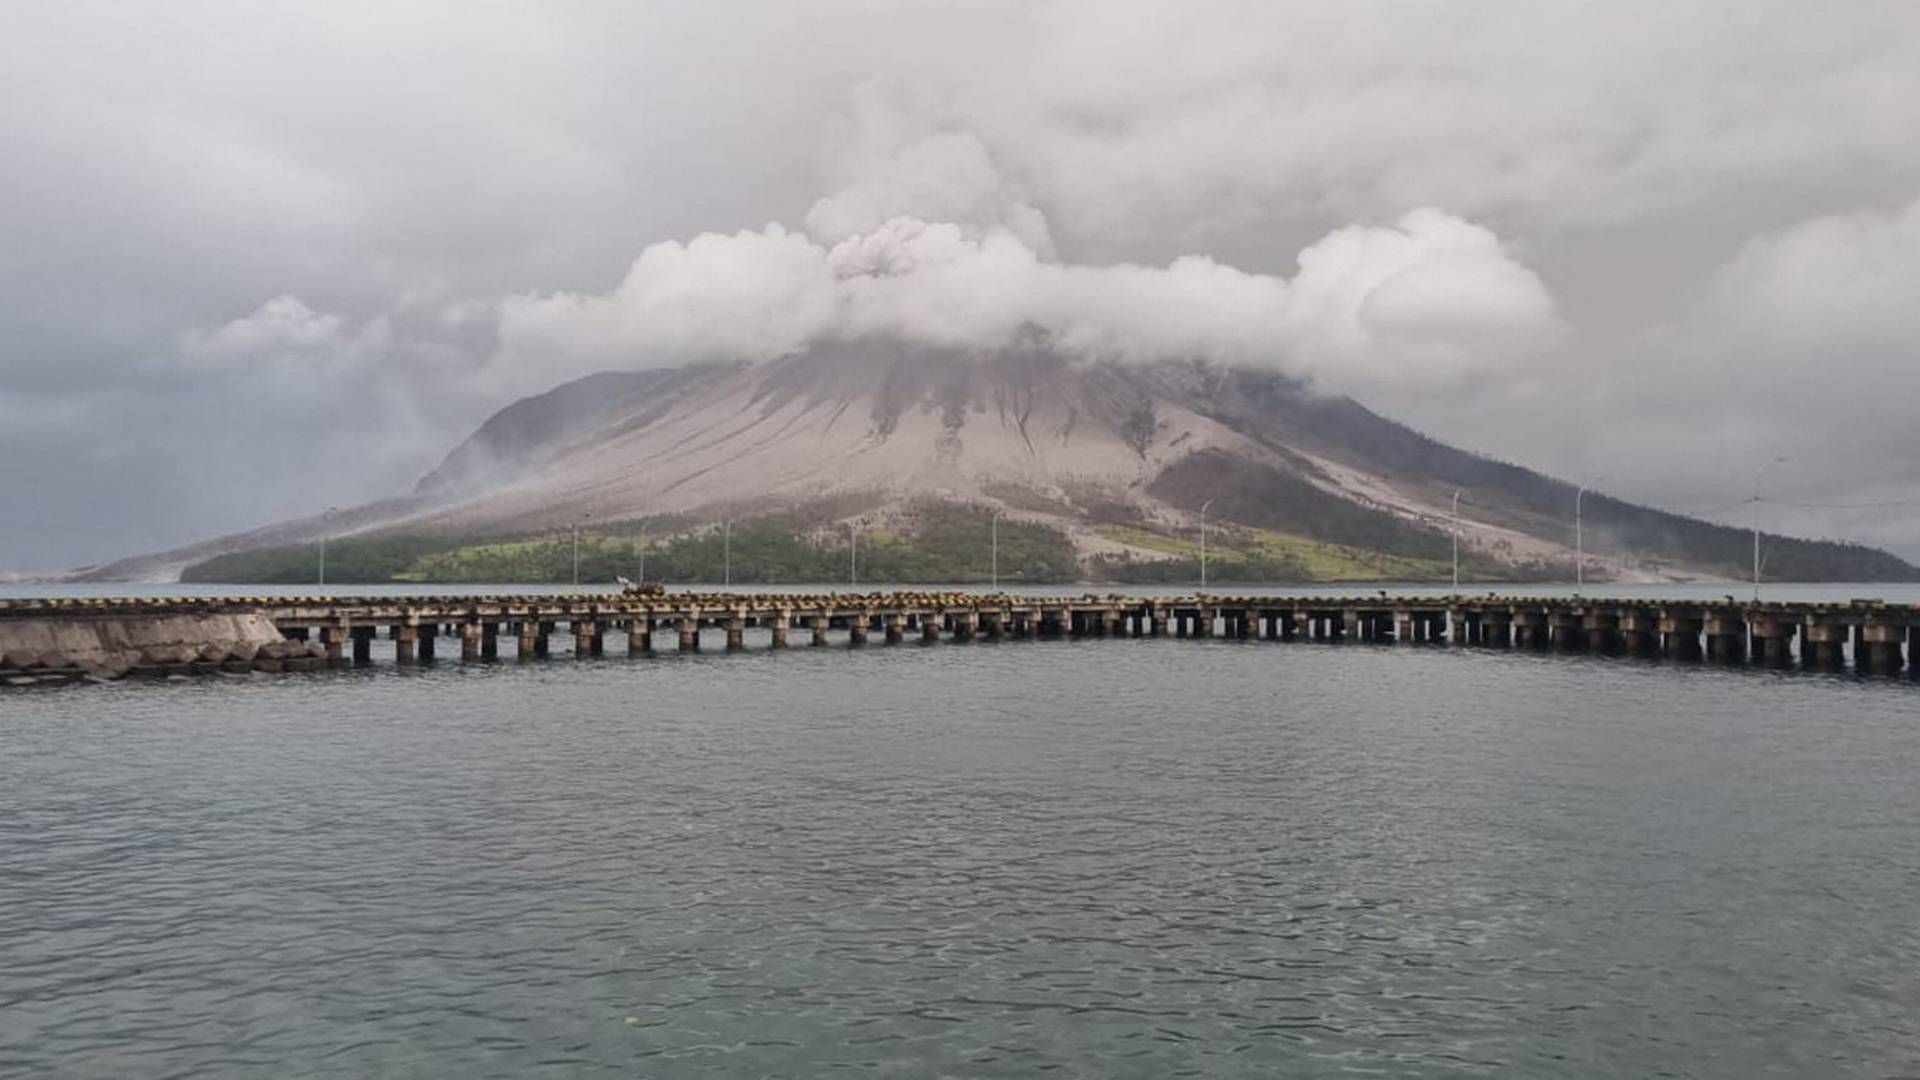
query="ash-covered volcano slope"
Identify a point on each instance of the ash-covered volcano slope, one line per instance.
(1114, 455)
(879, 424)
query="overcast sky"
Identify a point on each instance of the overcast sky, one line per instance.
(259, 259)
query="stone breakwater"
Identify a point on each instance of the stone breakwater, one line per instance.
(58, 648)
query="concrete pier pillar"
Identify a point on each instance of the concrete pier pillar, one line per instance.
(1602, 630)
(896, 628)
(1682, 635)
(586, 637)
(543, 639)
(362, 646)
(1157, 621)
(1456, 627)
(1772, 637)
(1822, 642)
(857, 626)
(1564, 631)
(640, 635)
(1204, 623)
(929, 628)
(1403, 627)
(469, 642)
(1726, 637)
(782, 619)
(489, 640)
(994, 624)
(736, 632)
(428, 635)
(1882, 642)
(818, 625)
(526, 632)
(333, 639)
(1639, 632)
(1496, 629)
(406, 642)
(689, 627)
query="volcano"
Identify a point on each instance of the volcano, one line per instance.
(1118, 457)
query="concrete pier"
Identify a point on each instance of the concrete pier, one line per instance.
(1872, 637)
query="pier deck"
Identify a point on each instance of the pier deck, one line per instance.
(1867, 636)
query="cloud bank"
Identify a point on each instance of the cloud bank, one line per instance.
(1429, 301)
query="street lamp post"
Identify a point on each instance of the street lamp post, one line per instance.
(1579, 536)
(642, 579)
(1203, 544)
(853, 553)
(576, 547)
(1456, 541)
(994, 544)
(1757, 473)
(324, 519)
(726, 554)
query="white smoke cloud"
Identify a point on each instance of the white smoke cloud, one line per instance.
(1428, 301)
(283, 333)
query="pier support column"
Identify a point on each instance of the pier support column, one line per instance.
(406, 640)
(736, 632)
(782, 619)
(1403, 627)
(428, 634)
(1882, 641)
(818, 625)
(1456, 627)
(333, 638)
(1157, 621)
(543, 639)
(857, 626)
(1496, 629)
(1530, 629)
(640, 635)
(689, 627)
(1726, 638)
(963, 626)
(1602, 630)
(526, 631)
(994, 623)
(1203, 623)
(1681, 636)
(489, 640)
(362, 646)
(1772, 639)
(469, 642)
(1639, 634)
(1564, 631)
(1821, 644)
(896, 628)
(586, 637)
(929, 627)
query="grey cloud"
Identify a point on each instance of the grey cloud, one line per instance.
(405, 170)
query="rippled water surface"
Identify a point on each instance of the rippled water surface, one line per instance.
(1102, 858)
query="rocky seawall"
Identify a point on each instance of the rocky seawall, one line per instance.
(53, 649)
